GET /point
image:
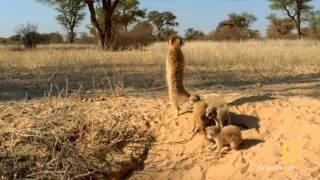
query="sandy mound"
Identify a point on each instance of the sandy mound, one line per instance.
(281, 139)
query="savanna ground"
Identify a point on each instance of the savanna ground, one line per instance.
(78, 112)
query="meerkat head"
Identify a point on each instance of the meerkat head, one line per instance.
(176, 41)
(212, 131)
(211, 112)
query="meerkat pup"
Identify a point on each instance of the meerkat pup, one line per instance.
(200, 122)
(199, 113)
(219, 114)
(226, 136)
(175, 72)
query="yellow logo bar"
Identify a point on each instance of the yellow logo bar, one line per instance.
(289, 152)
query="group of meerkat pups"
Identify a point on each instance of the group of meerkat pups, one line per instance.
(213, 122)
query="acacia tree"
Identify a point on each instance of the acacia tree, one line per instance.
(108, 8)
(313, 19)
(24, 29)
(163, 21)
(192, 34)
(294, 9)
(128, 12)
(169, 21)
(242, 21)
(279, 27)
(236, 27)
(29, 35)
(70, 16)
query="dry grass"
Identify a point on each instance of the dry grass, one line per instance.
(208, 63)
(70, 140)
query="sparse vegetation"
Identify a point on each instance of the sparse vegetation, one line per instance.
(213, 63)
(62, 139)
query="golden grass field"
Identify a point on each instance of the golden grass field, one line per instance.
(208, 64)
(75, 111)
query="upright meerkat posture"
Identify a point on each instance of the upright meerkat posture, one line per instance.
(175, 69)
(228, 135)
(199, 114)
(219, 114)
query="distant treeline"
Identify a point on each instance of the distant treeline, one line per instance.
(122, 24)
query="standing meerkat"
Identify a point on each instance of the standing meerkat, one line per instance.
(219, 114)
(175, 70)
(228, 135)
(199, 119)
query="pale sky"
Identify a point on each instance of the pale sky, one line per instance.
(202, 15)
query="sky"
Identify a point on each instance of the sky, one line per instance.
(202, 15)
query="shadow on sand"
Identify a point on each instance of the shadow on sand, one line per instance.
(244, 100)
(245, 121)
(18, 82)
(250, 142)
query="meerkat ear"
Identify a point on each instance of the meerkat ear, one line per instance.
(173, 40)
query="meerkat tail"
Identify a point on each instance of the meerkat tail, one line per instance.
(183, 92)
(174, 101)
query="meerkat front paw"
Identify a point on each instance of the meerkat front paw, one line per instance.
(213, 147)
(218, 150)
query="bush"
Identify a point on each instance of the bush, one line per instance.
(192, 34)
(44, 38)
(15, 38)
(55, 38)
(31, 40)
(141, 35)
(232, 34)
(4, 41)
(85, 38)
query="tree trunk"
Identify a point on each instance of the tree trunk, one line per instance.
(298, 26)
(71, 36)
(108, 28)
(298, 21)
(101, 39)
(99, 33)
(108, 9)
(159, 33)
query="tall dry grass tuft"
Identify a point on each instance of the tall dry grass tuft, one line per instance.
(70, 140)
